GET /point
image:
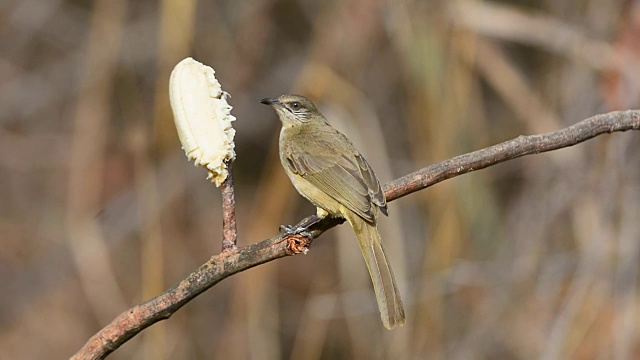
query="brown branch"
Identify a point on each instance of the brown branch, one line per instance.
(520, 146)
(229, 229)
(226, 264)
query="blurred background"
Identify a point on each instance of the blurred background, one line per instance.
(100, 210)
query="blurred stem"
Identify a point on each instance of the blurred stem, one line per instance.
(86, 241)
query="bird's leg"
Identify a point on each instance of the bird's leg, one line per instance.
(310, 221)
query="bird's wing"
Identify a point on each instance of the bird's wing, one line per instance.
(373, 185)
(344, 175)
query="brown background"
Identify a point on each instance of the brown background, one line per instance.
(99, 209)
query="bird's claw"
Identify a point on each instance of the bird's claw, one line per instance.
(291, 230)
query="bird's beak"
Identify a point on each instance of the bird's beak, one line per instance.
(271, 102)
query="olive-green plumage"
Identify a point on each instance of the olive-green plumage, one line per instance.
(326, 169)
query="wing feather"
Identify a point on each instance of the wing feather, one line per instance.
(344, 175)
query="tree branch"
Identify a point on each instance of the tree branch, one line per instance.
(520, 146)
(219, 267)
(229, 229)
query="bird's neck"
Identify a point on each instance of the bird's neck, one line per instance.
(299, 129)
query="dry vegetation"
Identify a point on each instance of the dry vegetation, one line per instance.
(99, 209)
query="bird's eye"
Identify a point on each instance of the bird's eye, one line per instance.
(295, 105)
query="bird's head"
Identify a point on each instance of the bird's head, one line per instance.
(293, 109)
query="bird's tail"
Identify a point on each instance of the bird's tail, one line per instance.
(384, 284)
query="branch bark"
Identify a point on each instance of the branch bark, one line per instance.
(228, 263)
(229, 229)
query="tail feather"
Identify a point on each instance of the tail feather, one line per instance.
(384, 284)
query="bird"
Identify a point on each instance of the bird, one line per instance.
(326, 169)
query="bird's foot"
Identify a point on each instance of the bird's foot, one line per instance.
(302, 229)
(292, 230)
